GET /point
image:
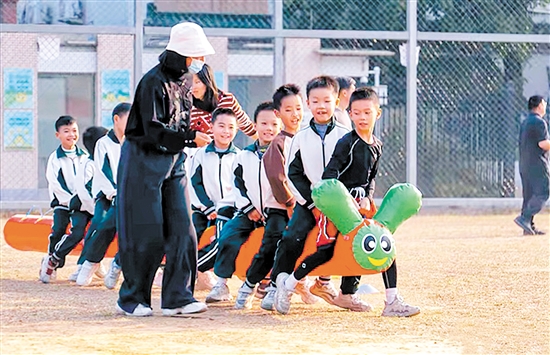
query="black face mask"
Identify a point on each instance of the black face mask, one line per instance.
(173, 63)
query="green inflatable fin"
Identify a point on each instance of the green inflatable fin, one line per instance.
(400, 203)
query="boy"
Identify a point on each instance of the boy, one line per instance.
(347, 87)
(355, 163)
(288, 107)
(83, 199)
(212, 183)
(107, 155)
(310, 152)
(63, 165)
(251, 191)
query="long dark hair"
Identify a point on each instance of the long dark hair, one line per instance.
(210, 99)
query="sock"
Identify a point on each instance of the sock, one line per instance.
(325, 280)
(290, 283)
(391, 294)
(221, 281)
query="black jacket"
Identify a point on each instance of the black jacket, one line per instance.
(160, 115)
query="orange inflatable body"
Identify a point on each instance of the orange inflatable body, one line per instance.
(30, 233)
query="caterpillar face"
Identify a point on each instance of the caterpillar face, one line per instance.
(373, 247)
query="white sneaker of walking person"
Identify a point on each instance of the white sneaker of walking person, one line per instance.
(112, 276)
(86, 273)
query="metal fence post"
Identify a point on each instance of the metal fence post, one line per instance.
(278, 49)
(411, 130)
(138, 42)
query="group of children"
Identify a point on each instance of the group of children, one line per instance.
(266, 184)
(82, 188)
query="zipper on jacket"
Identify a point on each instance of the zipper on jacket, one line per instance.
(220, 174)
(260, 184)
(323, 148)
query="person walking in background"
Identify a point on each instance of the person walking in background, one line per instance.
(534, 158)
(347, 87)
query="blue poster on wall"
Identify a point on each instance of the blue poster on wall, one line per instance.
(18, 129)
(115, 88)
(18, 88)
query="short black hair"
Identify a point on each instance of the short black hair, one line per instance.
(364, 93)
(322, 81)
(121, 108)
(65, 120)
(221, 111)
(534, 101)
(91, 136)
(284, 91)
(264, 106)
(345, 82)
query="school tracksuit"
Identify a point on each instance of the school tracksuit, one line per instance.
(212, 191)
(308, 157)
(61, 173)
(106, 159)
(152, 200)
(252, 192)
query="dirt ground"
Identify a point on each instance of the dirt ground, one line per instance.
(483, 288)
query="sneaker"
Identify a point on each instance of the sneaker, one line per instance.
(526, 226)
(86, 273)
(261, 290)
(324, 291)
(535, 230)
(140, 311)
(244, 298)
(100, 272)
(47, 268)
(302, 288)
(352, 302)
(219, 293)
(398, 308)
(205, 281)
(195, 307)
(112, 276)
(74, 275)
(282, 295)
(268, 302)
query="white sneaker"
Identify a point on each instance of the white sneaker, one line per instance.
(205, 281)
(268, 302)
(398, 308)
(282, 296)
(219, 293)
(352, 302)
(47, 269)
(195, 307)
(244, 297)
(100, 272)
(112, 276)
(302, 289)
(140, 311)
(74, 275)
(86, 273)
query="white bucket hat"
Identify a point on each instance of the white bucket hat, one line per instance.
(188, 39)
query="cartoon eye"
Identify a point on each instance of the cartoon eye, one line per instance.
(369, 243)
(385, 243)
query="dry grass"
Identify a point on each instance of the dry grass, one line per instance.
(483, 289)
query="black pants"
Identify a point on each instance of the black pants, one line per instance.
(102, 237)
(207, 255)
(535, 194)
(154, 219)
(201, 222)
(234, 234)
(100, 210)
(62, 244)
(262, 263)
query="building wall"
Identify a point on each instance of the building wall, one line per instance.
(235, 7)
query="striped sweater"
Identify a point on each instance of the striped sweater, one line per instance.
(201, 120)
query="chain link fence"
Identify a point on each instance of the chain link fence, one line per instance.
(478, 62)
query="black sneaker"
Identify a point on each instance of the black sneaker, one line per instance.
(526, 226)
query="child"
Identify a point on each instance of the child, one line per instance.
(252, 189)
(107, 155)
(83, 199)
(288, 107)
(355, 163)
(63, 165)
(212, 182)
(310, 151)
